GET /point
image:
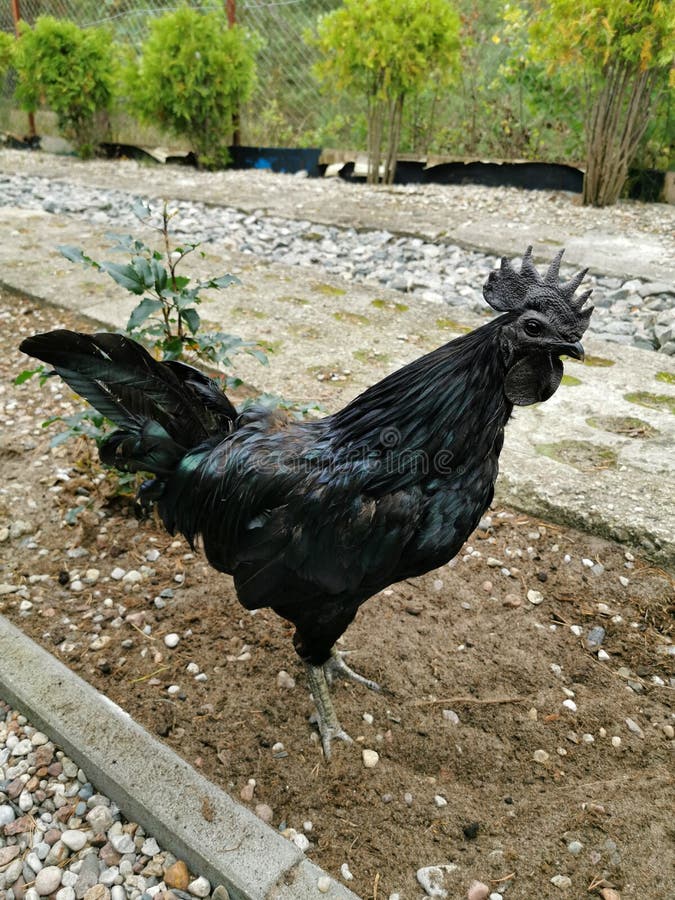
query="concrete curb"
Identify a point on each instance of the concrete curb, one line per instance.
(152, 785)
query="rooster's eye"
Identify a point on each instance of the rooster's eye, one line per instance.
(532, 327)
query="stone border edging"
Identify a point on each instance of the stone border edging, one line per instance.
(152, 785)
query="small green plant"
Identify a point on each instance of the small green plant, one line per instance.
(193, 74)
(70, 70)
(166, 318)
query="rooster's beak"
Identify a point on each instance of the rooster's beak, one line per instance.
(576, 351)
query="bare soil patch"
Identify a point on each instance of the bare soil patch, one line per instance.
(464, 638)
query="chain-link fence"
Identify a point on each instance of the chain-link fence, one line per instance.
(287, 108)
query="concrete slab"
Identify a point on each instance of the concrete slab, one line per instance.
(199, 823)
(554, 463)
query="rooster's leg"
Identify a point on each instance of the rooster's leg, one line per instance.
(329, 726)
(336, 667)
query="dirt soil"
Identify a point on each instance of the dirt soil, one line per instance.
(464, 638)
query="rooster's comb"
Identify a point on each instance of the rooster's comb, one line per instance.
(507, 290)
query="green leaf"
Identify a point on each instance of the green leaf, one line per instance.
(159, 274)
(258, 354)
(74, 254)
(191, 317)
(126, 276)
(143, 311)
(141, 210)
(26, 374)
(222, 281)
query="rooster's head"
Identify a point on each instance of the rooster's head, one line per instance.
(544, 321)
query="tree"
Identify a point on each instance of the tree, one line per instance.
(619, 52)
(193, 73)
(385, 51)
(72, 71)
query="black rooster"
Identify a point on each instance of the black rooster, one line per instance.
(313, 518)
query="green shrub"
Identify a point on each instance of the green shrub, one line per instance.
(387, 52)
(192, 75)
(70, 70)
(6, 52)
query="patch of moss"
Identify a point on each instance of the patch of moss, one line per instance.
(665, 377)
(248, 313)
(298, 301)
(599, 361)
(452, 325)
(343, 315)
(628, 426)
(328, 290)
(370, 356)
(304, 331)
(582, 455)
(570, 381)
(312, 236)
(652, 401)
(389, 305)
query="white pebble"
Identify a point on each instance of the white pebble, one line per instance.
(451, 716)
(192, 668)
(132, 577)
(588, 563)
(171, 640)
(570, 704)
(345, 872)
(200, 887)
(535, 597)
(150, 847)
(370, 758)
(440, 801)
(284, 680)
(368, 718)
(478, 891)
(603, 655)
(616, 741)
(323, 884)
(576, 630)
(47, 880)
(562, 881)
(152, 555)
(74, 840)
(623, 581)
(540, 756)
(117, 574)
(301, 842)
(173, 689)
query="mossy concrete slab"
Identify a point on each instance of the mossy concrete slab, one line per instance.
(631, 500)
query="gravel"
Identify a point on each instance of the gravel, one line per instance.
(60, 838)
(632, 311)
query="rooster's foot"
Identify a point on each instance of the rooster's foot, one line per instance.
(336, 667)
(325, 716)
